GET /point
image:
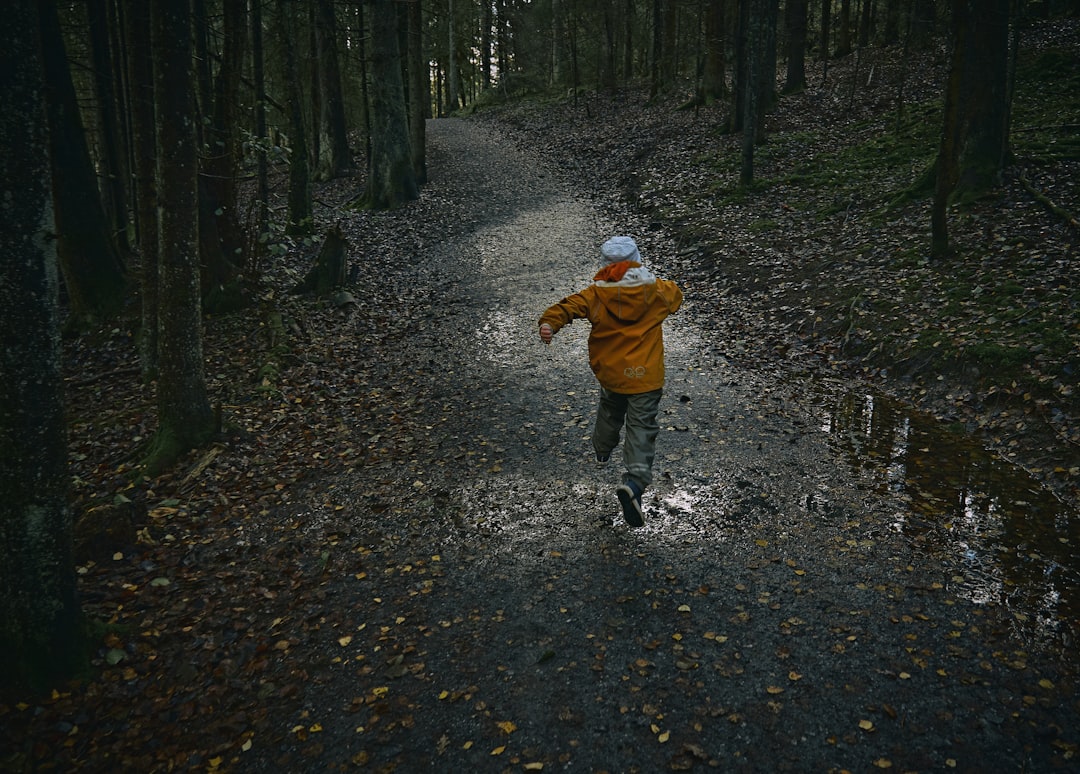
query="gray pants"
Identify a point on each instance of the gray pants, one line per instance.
(639, 448)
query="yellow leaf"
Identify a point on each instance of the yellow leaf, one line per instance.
(214, 762)
(794, 676)
(534, 766)
(467, 746)
(246, 745)
(774, 689)
(883, 763)
(315, 728)
(684, 608)
(866, 725)
(761, 542)
(444, 694)
(1044, 683)
(499, 750)
(508, 726)
(343, 641)
(664, 737)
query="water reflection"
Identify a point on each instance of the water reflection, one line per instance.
(1016, 543)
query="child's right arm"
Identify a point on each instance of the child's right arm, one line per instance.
(563, 313)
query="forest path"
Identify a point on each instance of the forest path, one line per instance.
(495, 612)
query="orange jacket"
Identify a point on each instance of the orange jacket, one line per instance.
(626, 344)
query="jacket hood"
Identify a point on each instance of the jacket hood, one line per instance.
(630, 298)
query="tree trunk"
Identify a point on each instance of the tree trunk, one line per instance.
(223, 164)
(558, 44)
(755, 54)
(113, 159)
(391, 180)
(144, 145)
(41, 640)
(451, 48)
(301, 219)
(947, 164)
(92, 269)
(714, 78)
(330, 268)
(843, 31)
(262, 177)
(486, 20)
(419, 96)
(866, 22)
(656, 53)
(974, 141)
(825, 31)
(890, 33)
(795, 18)
(335, 160)
(985, 109)
(185, 419)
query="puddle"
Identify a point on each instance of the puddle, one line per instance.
(1015, 544)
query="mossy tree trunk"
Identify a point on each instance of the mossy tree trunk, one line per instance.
(92, 268)
(391, 178)
(185, 419)
(40, 620)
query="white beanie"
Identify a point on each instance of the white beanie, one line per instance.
(620, 248)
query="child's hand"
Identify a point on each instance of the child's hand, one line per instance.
(546, 333)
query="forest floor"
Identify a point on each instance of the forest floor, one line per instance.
(401, 556)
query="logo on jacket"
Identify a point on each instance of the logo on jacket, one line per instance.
(635, 372)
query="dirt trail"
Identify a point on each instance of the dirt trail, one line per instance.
(495, 613)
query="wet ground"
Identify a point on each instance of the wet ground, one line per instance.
(825, 581)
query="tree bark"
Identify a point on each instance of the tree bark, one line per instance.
(92, 268)
(714, 78)
(451, 50)
(335, 160)
(795, 19)
(756, 42)
(41, 638)
(300, 218)
(262, 176)
(113, 158)
(974, 143)
(843, 30)
(947, 164)
(985, 111)
(185, 419)
(419, 96)
(391, 179)
(144, 145)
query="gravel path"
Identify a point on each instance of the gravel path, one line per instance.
(773, 614)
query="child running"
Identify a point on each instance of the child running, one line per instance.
(626, 306)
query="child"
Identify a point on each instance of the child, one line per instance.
(626, 306)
